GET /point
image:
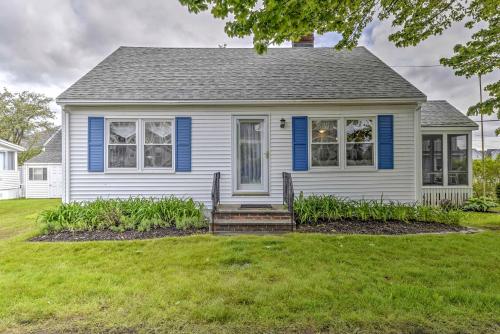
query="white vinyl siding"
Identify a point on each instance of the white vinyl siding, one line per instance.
(212, 152)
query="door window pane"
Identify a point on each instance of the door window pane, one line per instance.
(158, 144)
(432, 160)
(324, 143)
(250, 152)
(122, 146)
(457, 160)
(359, 142)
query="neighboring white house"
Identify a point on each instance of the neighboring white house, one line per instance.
(43, 173)
(161, 121)
(9, 173)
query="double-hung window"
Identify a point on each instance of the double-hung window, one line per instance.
(7, 160)
(324, 143)
(140, 144)
(122, 144)
(359, 142)
(37, 174)
(158, 144)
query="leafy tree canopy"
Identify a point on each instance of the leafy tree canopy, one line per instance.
(24, 119)
(276, 21)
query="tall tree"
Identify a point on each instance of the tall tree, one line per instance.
(24, 118)
(276, 21)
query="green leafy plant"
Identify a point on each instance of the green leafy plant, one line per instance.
(479, 204)
(320, 208)
(140, 214)
(497, 191)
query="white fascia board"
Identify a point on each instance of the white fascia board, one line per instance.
(448, 128)
(12, 146)
(82, 102)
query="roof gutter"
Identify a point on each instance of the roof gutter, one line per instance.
(90, 102)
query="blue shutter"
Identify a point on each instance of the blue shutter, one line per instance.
(299, 143)
(95, 144)
(385, 127)
(183, 144)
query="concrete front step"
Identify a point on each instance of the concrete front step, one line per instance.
(229, 226)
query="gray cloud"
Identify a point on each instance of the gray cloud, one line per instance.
(47, 45)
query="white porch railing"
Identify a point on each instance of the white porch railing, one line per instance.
(434, 195)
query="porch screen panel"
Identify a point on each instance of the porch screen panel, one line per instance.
(457, 160)
(432, 160)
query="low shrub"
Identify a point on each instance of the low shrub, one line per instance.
(497, 191)
(140, 214)
(479, 204)
(320, 208)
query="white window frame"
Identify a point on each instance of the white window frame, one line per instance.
(374, 141)
(137, 144)
(444, 159)
(42, 168)
(143, 143)
(140, 145)
(339, 142)
(5, 160)
(447, 137)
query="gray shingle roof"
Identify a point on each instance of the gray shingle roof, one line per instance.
(442, 114)
(52, 151)
(143, 73)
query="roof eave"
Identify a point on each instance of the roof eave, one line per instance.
(91, 102)
(12, 146)
(450, 127)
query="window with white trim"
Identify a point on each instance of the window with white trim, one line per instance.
(457, 160)
(37, 174)
(158, 144)
(359, 142)
(324, 143)
(7, 160)
(432, 160)
(122, 144)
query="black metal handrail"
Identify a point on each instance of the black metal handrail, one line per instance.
(288, 195)
(215, 195)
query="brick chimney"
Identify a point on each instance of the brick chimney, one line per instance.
(306, 41)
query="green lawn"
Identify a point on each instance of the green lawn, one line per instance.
(292, 283)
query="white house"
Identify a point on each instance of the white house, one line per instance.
(43, 173)
(9, 173)
(162, 121)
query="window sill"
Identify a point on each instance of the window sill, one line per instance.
(140, 171)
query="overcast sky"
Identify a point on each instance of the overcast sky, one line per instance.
(47, 45)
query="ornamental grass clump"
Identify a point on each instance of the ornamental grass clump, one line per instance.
(317, 209)
(140, 214)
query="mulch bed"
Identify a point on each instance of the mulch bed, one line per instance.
(111, 235)
(379, 228)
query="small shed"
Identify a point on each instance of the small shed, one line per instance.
(43, 173)
(9, 172)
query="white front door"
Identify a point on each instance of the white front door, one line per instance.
(250, 154)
